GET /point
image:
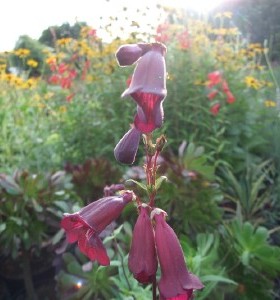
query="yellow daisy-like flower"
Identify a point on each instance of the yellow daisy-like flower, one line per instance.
(252, 82)
(32, 63)
(64, 41)
(21, 52)
(269, 103)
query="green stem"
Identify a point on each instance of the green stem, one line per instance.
(154, 287)
(271, 69)
(28, 282)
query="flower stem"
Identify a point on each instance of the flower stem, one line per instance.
(28, 282)
(154, 287)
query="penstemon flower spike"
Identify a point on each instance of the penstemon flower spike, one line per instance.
(154, 242)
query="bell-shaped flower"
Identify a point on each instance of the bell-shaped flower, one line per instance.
(85, 225)
(176, 281)
(126, 149)
(142, 259)
(148, 82)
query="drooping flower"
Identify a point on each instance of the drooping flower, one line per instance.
(176, 281)
(142, 259)
(126, 149)
(148, 82)
(85, 226)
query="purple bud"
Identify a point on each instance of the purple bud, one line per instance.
(142, 259)
(126, 149)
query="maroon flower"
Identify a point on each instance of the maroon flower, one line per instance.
(126, 149)
(85, 226)
(148, 82)
(142, 259)
(176, 281)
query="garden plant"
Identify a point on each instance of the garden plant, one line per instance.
(144, 167)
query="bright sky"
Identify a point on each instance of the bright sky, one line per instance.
(31, 17)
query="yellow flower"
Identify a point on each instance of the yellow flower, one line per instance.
(63, 109)
(269, 103)
(64, 41)
(21, 52)
(252, 82)
(32, 63)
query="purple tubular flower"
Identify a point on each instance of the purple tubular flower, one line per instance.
(85, 226)
(148, 83)
(142, 259)
(126, 149)
(176, 281)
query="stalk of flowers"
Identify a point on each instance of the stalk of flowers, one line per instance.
(154, 243)
(218, 86)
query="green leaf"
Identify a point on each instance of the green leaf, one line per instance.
(159, 181)
(141, 185)
(9, 185)
(245, 258)
(3, 227)
(216, 278)
(58, 236)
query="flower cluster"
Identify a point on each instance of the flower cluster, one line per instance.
(152, 238)
(153, 242)
(148, 89)
(217, 85)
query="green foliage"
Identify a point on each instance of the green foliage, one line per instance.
(190, 196)
(204, 261)
(31, 208)
(36, 53)
(252, 261)
(249, 194)
(52, 33)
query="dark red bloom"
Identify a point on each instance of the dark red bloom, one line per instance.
(150, 117)
(176, 281)
(126, 149)
(142, 259)
(148, 82)
(85, 226)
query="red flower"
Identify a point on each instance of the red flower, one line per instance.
(176, 281)
(85, 226)
(215, 109)
(214, 78)
(184, 40)
(162, 33)
(54, 79)
(142, 259)
(230, 97)
(212, 94)
(225, 86)
(62, 68)
(70, 97)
